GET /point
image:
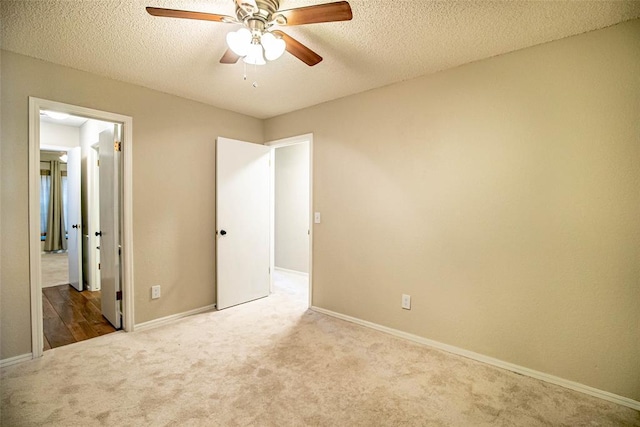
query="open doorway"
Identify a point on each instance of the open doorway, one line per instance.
(79, 218)
(69, 217)
(291, 256)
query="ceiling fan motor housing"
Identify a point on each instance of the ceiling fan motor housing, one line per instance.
(266, 9)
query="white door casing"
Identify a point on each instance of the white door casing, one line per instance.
(109, 226)
(35, 106)
(74, 218)
(242, 221)
(308, 138)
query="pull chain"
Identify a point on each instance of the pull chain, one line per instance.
(255, 73)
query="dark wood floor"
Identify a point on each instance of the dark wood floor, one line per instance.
(71, 316)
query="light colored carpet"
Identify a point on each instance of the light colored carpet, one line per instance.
(55, 269)
(274, 363)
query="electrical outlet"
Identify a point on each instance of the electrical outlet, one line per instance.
(406, 301)
(155, 292)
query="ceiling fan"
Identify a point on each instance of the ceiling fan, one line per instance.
(258, 39)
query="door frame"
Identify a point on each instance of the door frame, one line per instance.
(60, 149)
(279, 143)
(35, 279)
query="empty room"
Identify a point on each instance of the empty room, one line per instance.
(350, 213)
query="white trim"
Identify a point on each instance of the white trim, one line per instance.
(162, 321)
(292, 140)
(127, 224)
(272, 216)
(620, 400)
(35, 279)
(55, 147)
(284, 142)
(286, 270)
(15, 360)
(35, 272)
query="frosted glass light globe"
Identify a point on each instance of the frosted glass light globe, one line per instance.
(273, 47)
(254, 55)
(239, 41)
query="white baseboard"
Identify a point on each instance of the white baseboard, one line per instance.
(16, 359)
(621, 400)
(51, 285)
(286, 270)
(172, 318)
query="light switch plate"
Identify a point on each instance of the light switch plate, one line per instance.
(316, 217)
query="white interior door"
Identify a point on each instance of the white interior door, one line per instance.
(109, 226)
(242, 221)
(93, 211)
(74, 219)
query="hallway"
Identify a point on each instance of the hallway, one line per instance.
(70, 316)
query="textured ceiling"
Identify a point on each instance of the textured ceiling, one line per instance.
(386, 42)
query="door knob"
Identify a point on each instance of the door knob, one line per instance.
(222, 232)
(98, 233)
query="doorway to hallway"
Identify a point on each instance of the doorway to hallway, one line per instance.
(70, 204)
(106, 290)
(292, 208)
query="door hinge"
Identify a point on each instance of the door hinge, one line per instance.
(119, 296)
(98, 162)
(98, 266)
(117, 146)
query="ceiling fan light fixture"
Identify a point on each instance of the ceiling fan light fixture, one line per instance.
(273, 46)
(239, 41)
(258, 18)
(254, 55)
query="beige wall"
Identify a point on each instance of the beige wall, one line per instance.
(292, 207)
(173, 188)
(503, 196)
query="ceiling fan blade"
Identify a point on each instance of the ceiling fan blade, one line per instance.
(229, 57)
(328, 12)
(299, 50)
(185, 14)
